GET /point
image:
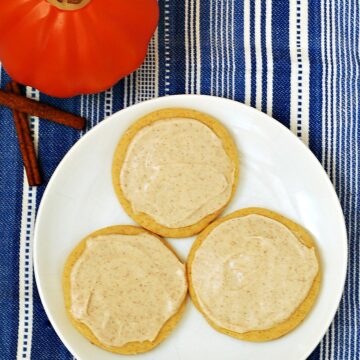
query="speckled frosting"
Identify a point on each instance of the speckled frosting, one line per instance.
(177, 171)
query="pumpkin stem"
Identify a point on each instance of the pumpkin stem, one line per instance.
(69, 4)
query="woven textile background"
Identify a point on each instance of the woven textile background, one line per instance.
(297, 60)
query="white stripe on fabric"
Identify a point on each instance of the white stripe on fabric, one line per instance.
(328, 89)
(145, 82)
(338, 119)
(228, 46)
(222, 51)
(217, 46)
(247, 51)
(98, 107)
(334, 119)
(108, 102)
(293, 38)
(356, 48)
(343, 119)
(187, 55)
(192, 51)
(327, 135)
(233, 48)
(269, 56)
(167, 51)
(128, 92)
(89, 112)
(305, 73)
(156, 57)
(82, 113)
(323, 65)
(95, 108)
(192, 47)
(349, 154)
(299, 116)
(87, 107)
(339, 114)
(217, 68)
(346, 97)
(25, 253)
(92, 112)
(198, 49)
(125, 102)
(258, 55)
(91, 109)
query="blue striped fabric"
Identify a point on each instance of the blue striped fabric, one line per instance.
(297, 60)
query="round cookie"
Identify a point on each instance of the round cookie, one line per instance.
(301, 311)
(131, 347)
(146, 220)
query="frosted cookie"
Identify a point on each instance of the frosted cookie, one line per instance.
(254, 274)
(175, 170)
(124, 289)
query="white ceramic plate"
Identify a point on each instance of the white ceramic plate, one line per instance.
(277, 172)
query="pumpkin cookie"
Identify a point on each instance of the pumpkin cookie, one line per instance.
(175, 170)
(124, 289)
(254, 274)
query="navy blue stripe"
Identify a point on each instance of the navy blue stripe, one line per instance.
(190, 48)
(356, 219)
(330, 151)
(346, 169)
(341, 183)
(239, 51)
(118, 96)
(11, 177)
(54, 142)
(206, 43)
(316, 71)
(350, 291)
(100, 111)
(194, 45)
(315, 355)
(325, 90)
(263, 56)
(281, 60)
(177, 47)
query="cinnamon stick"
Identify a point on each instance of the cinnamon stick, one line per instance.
(26, 145)
(29, 106)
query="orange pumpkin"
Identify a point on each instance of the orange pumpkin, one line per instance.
(70, 47)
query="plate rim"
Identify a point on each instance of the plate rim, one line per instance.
(160, 100)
